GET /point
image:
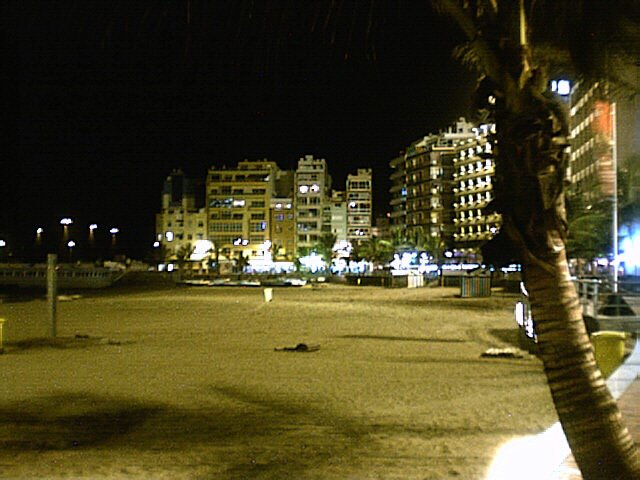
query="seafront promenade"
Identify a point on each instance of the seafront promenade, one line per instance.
(624, 385)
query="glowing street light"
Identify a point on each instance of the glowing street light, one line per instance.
(92, 228)
(39, 232)
(65, 222)
(70, 245)
(113, 231)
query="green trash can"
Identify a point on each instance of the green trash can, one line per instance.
(609, 350)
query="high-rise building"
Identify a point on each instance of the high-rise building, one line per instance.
(283, 229)
(422, 203)
(338, 215)
(605, 161)
(592, 122)
(359, 205)
(398, 191)
(312, 186)
(238, 208)
(473, 177)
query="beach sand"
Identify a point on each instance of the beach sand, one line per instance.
(185, 383)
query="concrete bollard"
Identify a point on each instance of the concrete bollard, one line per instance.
(268, 294)
(1, 344)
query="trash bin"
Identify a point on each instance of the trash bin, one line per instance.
(475, 286)
(609, 350)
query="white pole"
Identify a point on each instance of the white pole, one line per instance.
(614, 161)
(52, 292)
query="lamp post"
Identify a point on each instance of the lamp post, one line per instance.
(65, 222)
(614, 227)
(92, 229)
(39, 232)
(70, 245)
(113, 231)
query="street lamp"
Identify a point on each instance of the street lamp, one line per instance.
(70, 245)
(92, 227)
(65, 222)
(39, 232)
(113, 231)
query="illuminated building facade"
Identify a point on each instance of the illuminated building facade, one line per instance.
(338, 215)
(312, 185)
(238, 208)
(605, 160)
(283, 229)
(473, 180)
(422, 197)
(359, 205)
(180, 222)
(262, 214)
(591, 167)
(398, 192)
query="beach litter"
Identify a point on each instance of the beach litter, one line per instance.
(301, 347)
(508, 352)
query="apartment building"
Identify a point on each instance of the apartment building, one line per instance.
(312, 186)
(473, 177)
(238, 207)
(398, 192)
(283, 229)
(359, 205)
(593, 124)
(422, 198)
(338, 215)
(257, 212)
(180, 222)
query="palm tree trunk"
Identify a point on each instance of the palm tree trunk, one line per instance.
(599, 441)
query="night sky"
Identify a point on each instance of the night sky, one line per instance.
(104, 99)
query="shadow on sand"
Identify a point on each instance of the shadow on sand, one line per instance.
(404, 339)
(240, 433)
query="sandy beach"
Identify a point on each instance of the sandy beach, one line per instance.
(185, 383)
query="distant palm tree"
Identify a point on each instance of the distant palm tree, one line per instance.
(589, 231)
(324, 247)
(376, 251)
(418, 241)
(183, 255)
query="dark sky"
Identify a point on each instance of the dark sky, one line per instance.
(105, 98)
